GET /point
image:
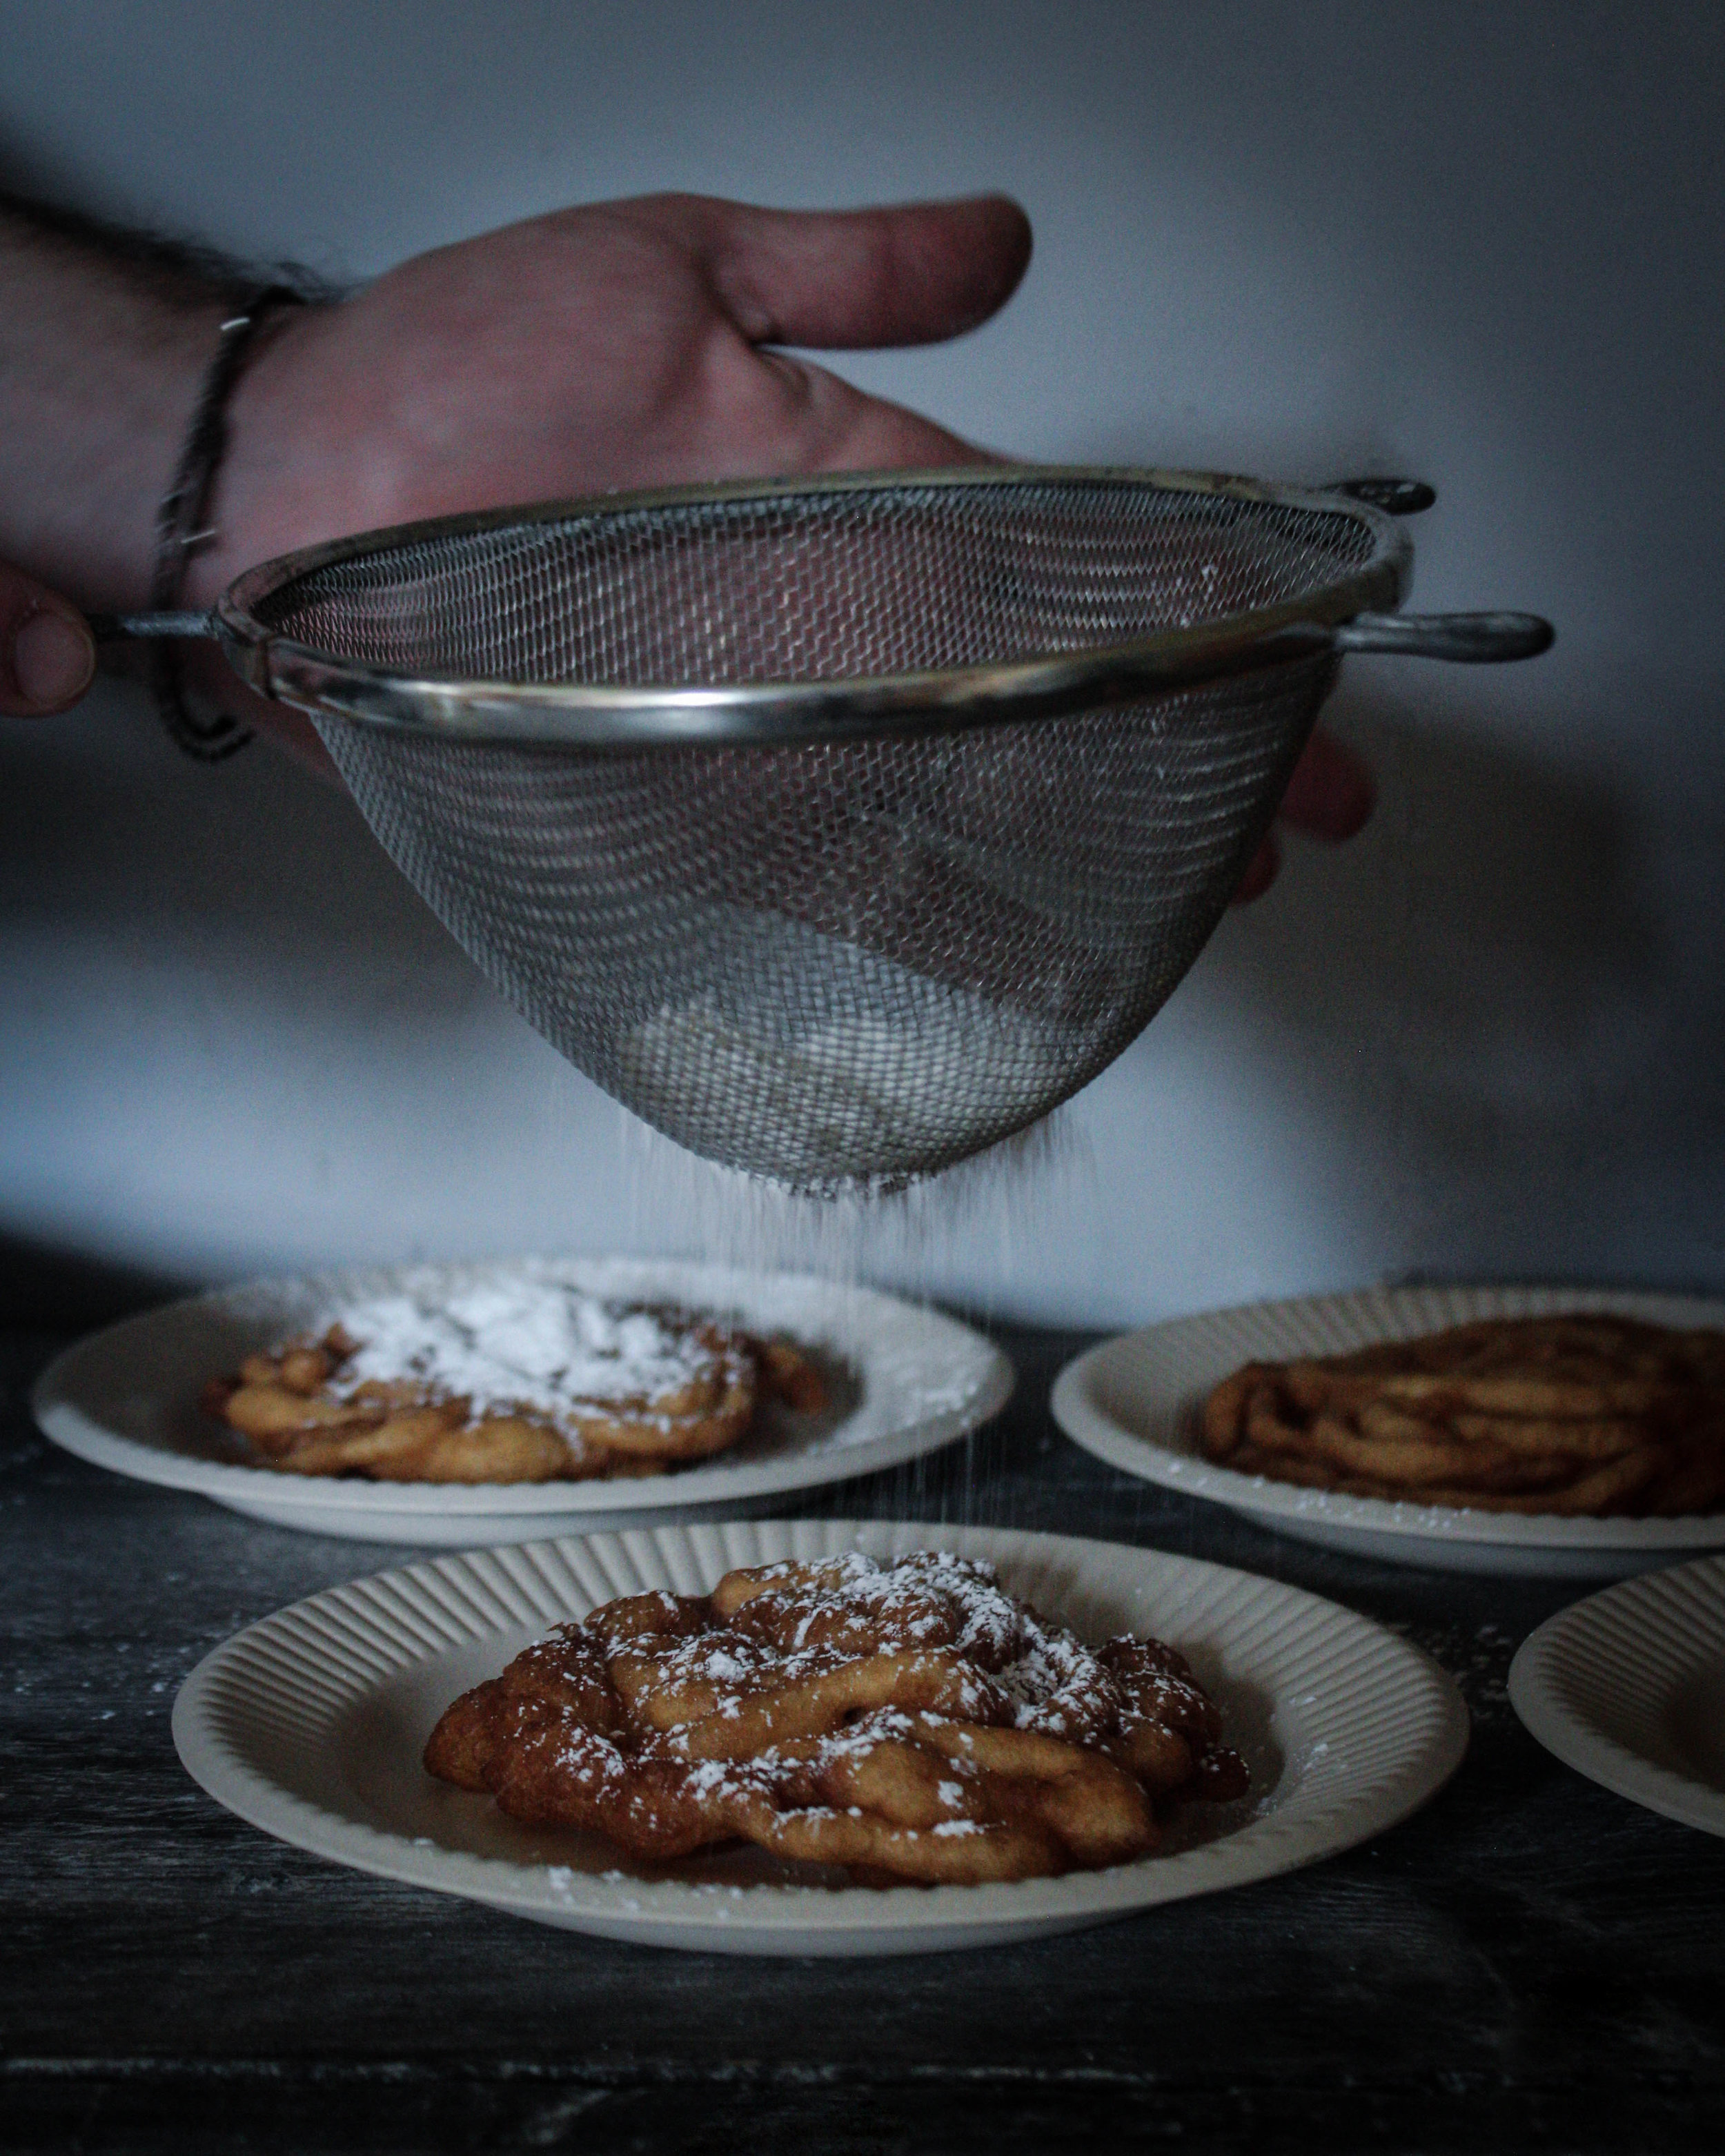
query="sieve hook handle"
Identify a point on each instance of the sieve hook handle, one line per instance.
(1475, 639)
(1478, 638)
(1397, 497)
(110, 628)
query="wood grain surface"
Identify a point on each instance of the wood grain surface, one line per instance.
(1530, 1964)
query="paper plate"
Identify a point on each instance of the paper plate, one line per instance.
(905, 1381)
(1628, 1688)
(1134, 1401)
(310, 1725)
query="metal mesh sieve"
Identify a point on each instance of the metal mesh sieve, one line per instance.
(837, 830)
(820, 584)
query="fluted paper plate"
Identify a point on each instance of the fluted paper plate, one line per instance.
(310, 1725)
(906, 1381)
(1628, 1688)
(1135, 1400)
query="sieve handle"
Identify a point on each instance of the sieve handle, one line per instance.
(1397, 497)
(1474, 638)
(110, 628)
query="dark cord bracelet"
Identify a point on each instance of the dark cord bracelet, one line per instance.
(182, 526)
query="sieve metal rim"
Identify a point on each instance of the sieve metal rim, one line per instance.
(785, 713)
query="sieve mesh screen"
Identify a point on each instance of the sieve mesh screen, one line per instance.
(855, 959)
(817, 585)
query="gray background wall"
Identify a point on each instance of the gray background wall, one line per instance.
(1479, 243)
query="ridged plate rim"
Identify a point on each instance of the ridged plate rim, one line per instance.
(1370, 1728)
(1197, 1351)
(72, 1409)
(1593, 1683)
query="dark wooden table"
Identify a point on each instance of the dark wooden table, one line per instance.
(1531, 1963)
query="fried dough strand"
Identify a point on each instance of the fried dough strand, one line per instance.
(911, 1721)
(1582, 1415)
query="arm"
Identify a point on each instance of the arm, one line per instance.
(617, 345)
(103, 341)
(621, 345)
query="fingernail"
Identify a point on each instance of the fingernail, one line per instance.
(53, 660)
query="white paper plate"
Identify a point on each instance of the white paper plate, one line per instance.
(1628, 1688)
(310, 1725)
(1134, 1401)
(906, 1381)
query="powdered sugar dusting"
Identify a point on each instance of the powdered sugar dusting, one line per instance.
(520, 1341)
(1017, 1669)
(911, 1720)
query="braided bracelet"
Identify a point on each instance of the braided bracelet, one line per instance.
(182, 525)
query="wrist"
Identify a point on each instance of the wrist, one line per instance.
(94, 524)
(99, 375)
(265, 500)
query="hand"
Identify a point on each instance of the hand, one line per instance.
(1330, 796)
(47, 655)
(623, 344)
(619, 345)
(626, 345)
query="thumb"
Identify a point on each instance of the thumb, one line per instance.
(47, 654)
(851, 279)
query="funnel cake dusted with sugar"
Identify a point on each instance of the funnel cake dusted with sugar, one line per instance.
(530, 1381)
(912, 1720)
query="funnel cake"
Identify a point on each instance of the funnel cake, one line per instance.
(534, 1382)
(912, 1722)
(1578, 1414)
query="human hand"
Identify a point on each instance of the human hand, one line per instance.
(619, 344)
(627, 344)
(622, 345)
(47, 655)
(1330, 796)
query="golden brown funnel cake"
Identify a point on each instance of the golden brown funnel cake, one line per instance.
(911, 1720)
(339, 1405)
(1580, 1414)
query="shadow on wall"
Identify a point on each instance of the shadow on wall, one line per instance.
(1487, 1038)
(102, 823)
(1500, 1002)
